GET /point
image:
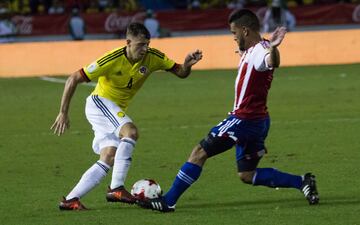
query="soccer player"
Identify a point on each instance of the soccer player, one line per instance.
(120, 73)
(248, 123)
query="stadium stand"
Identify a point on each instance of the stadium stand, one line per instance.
(39, 20)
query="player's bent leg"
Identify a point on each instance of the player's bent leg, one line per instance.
(198, 156)
(273, 178)
(122, 162)
(90, 179)
(119, 194)
(246, 166)
(247, 176)
(129, 130)
(107, 155)
(187, 175)
(190, 172)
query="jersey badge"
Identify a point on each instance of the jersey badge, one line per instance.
(92, 67)
(143, 70)
(121, 114)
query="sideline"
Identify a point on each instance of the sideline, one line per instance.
(62, 81)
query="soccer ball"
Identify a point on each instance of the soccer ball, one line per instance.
(146, 189)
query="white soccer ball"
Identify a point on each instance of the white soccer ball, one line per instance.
(146, 189)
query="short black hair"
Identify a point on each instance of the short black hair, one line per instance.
(245, 17)
(137, 29)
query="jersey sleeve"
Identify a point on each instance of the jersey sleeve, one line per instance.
(162, 61)
(101, 66)
(167, 63)
(260, 57)
(93, 71)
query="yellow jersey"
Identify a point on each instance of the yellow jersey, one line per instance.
(118, 79)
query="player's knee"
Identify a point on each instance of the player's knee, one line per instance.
(214, 145)
(198, 156)
(246, 177)
(107, 155)
(129, 130)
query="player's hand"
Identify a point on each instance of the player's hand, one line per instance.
(61, 123)
(193, 58)
(277, 36)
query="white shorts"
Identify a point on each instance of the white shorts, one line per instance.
(106, 119)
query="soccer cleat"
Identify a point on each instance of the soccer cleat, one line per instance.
(309, 189)
(71, 204)
(157, 204)
(120, 194)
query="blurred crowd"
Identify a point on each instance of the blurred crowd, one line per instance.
(277, 12)
(94, 6)
(34, 7)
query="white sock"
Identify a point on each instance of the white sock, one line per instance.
(89, 180)
(122, 162)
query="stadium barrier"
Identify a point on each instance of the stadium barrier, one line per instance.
(61, 58)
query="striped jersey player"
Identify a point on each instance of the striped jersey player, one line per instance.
(247, 126)
(253, 83)
(120, 74)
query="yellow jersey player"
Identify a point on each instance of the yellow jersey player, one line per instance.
(120, 74)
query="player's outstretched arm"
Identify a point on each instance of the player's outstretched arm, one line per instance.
(62, 121)
(191, 59)
(276, 38)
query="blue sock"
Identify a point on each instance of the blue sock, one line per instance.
(187, 175)
(273, 178)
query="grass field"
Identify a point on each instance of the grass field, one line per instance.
(315, 127)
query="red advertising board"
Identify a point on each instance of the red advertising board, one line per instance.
(181, 20)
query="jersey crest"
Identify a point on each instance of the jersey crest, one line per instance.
(143, 70)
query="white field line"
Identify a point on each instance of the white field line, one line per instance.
(193, 126)
(62, 81)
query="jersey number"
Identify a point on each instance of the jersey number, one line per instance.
(129, 85)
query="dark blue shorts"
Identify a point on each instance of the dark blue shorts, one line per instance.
(249, 137)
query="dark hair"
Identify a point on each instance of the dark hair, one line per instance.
(137, 29)
(245, 17)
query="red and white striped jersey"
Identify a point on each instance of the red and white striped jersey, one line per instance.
(253, 83)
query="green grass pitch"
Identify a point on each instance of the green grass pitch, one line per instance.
(315, 115)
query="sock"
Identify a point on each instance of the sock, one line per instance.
(187, 175)
(89, 180)
(271, 177)
(122, 162)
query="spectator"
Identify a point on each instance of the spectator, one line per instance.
(20, 6)
(4, 8)
(103, 4)
(77, 25)
(152, 24)
(39, 6)
(93, 7)
(236, 4)
(299, 2)
(276, 16)
(57, 7)
(7, 28)
(129, 5)
(194, 4)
